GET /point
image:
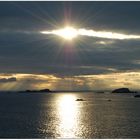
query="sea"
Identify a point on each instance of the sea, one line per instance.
(60, 115)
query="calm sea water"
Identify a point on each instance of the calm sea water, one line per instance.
(58, 115)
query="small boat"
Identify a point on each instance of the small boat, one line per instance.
(109, 100)
(79, 99)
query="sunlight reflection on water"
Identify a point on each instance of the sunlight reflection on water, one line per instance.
(61, 116)
(68, 113)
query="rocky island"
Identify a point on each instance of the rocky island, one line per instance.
(42, 90)
(123, 90)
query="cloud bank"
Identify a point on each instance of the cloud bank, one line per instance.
(108, 44)
(6, 80)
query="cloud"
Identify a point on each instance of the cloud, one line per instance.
(105, 42)
(7, 80)
(107, 81)
(98, 50)
(38, 54)
(69, 31)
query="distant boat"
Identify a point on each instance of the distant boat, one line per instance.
(79, 100)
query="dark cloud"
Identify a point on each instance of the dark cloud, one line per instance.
(122, 16)
(40, 55)
(6, 80)
(24, 50)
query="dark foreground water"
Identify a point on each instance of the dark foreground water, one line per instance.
(58, 115)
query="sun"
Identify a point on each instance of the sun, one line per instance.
(67, 33)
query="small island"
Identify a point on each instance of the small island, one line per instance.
(123, 90)
(42, 90)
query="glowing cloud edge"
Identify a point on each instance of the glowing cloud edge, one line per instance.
(70, 32)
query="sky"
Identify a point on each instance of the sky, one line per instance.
(103, 56)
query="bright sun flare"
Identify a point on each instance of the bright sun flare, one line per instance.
(67, 33)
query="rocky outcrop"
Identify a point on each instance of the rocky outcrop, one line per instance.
(137, 96)
(79, 99)
(122, 90)
(42, 90)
